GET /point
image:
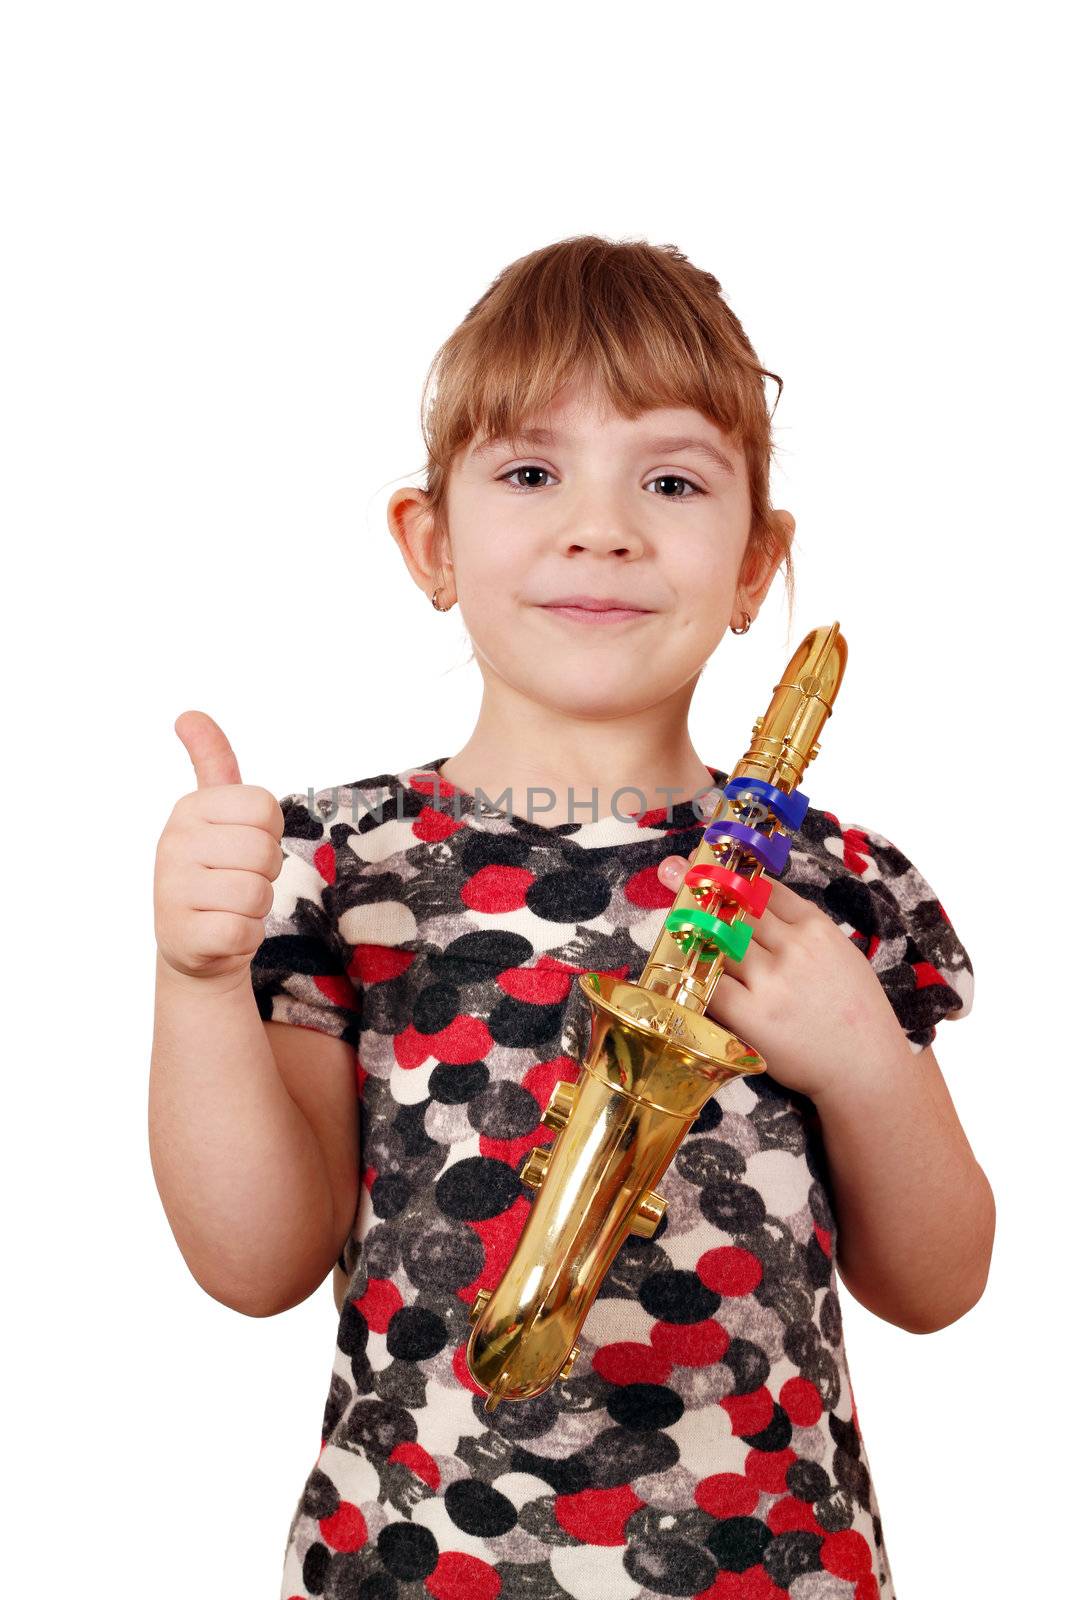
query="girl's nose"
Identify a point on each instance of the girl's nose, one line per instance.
(611, 536)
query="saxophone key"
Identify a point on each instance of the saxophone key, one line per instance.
(790, 808)
(747, 808)
(649, 1214)
(768, 849)
(751, 894)
(732, 938)
(535, 1166)
(560, 1105)
(478, 1304)
(568, 1366)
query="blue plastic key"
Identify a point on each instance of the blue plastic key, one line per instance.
(790, 809)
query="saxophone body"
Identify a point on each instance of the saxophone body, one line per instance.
(653, 1059)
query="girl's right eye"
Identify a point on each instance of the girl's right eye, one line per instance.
(523, 488)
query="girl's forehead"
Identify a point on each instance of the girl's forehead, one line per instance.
(581, 421)
(591, 405)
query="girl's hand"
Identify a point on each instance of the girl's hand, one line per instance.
(804, 995)
(215, 862)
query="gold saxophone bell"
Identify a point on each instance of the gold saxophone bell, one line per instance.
(653, 1060)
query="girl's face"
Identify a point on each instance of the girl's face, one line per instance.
(651, 515)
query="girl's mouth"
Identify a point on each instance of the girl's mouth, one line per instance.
(597, 618)
(597, 613)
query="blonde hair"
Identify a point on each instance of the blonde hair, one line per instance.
(638, 322)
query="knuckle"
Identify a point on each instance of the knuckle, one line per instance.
(257, 853)
(229, 933)
(172, 840)
(190, 807)
(209, 933)
(268, 856)
(194, 946)
(169, 885)
(259, 896)
(264, 808)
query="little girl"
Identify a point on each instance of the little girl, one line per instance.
(415, 965)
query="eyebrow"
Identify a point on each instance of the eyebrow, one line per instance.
(668, 444)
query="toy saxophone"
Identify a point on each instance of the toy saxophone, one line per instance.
(653, 1059)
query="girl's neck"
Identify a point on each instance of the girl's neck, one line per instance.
(521, 745)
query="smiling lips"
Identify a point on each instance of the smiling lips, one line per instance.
(588, 608)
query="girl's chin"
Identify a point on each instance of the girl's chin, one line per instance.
(581, 693)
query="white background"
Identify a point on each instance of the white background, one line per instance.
(236, 234)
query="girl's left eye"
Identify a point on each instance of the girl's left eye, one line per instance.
(676, 477)
(664, 477)
(522, 487)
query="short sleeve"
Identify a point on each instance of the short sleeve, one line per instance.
(911, 944)
(300, 972)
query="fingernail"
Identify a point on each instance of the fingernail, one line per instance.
(672, 871)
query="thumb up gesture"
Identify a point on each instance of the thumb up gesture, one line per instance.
(216, 859)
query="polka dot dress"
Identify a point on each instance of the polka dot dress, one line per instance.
(706, 1441)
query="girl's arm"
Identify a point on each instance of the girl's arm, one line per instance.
(259, 1200)
(915, 1212)
(253, 1129)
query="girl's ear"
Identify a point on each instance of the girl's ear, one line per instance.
(787, 525)
(758, 574)
(411, 525)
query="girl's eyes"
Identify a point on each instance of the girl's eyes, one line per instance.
(664, 477)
